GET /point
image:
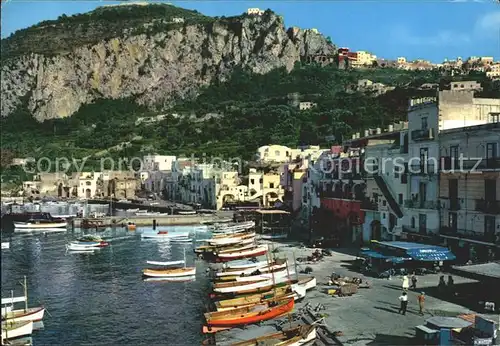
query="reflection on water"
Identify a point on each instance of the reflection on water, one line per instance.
(100, 298)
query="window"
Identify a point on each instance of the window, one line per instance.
(277, 153)
(495, 117)
(88, 183)
(491, 150)
(252, 181)
(424, 123)
(413, 222)
(383, 215)
(454, 155)
(271, 185)
(400, 198)
(452, 221)
(384, 203)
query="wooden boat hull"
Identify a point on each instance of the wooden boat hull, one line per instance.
(169, 273)
(32, 314)
(225, 257)
(288, 337)
(277, 298)
(253, 317)
(16, 329)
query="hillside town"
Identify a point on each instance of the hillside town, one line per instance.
(358, 213)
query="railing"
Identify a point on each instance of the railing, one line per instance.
(422, 135)
(488, 207)
(369, 205)
(423, 168)
(467, 164)
(416, 204)
(488, 237)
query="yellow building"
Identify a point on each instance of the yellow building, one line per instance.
(364, 58)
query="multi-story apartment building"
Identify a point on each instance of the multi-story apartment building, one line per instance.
(494, 71)
(470, 191)
(422, 216)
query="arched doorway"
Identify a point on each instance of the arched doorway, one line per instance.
(376, 230)
(60, 190)
(87, 194)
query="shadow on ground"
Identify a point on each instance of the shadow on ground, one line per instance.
(386, 339)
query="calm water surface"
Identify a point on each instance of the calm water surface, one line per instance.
(100, 298)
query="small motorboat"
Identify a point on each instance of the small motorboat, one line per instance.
(165, 235)
(40, 224)
(90, 241)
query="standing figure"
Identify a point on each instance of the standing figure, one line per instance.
(451, 284)
(406, 283)
(421, 301)
(442, 284)
(403, 303)
(413, 281)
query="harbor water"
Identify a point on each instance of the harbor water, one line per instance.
(100, 298)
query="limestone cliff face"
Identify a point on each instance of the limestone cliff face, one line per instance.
(153, 68)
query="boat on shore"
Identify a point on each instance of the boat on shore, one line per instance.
(245, 253)
(248, 315)
(264, 268)
(297, 336)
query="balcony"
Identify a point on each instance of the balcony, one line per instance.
(422, 135)
(415, 204)
(423, 169)
(488, 207)
(464, 164)
(470, 235)
(369, 205)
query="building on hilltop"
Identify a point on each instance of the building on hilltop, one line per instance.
(255, 11)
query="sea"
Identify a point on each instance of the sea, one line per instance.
(100, 298)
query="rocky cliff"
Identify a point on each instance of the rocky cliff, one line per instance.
(156, 61)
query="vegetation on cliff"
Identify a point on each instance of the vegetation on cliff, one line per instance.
(60, 36)
(227, 119)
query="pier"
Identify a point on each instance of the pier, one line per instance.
(150, 221)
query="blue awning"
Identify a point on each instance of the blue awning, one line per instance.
(432, 256)
(372, 254)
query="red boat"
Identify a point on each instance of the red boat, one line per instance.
(248, 315)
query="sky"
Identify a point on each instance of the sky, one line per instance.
(416, 29)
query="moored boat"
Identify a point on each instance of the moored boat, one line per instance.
(169, 272)
(165, 235)
(16, 329)
(19, 315)
(39, 224)
(5, 245)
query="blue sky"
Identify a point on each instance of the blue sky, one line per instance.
(431, 30)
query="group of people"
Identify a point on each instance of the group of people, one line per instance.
(403, 299)
(404, 296)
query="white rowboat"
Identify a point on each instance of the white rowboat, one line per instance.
(5, 245)
(170, 263)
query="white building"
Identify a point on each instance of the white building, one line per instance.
(255, 11)
(158, 162)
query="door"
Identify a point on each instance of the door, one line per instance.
(490, 190)
(453, 193)
(489, 228)
(454, 157)
(491, 154)
(422, 223)
(424, 155)
(452, 222)
(422, 192)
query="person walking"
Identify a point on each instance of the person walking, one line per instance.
(413, 281)
(421, 301)
(406, 283)
(403, 298)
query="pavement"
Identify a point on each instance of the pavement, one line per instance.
(371, 317)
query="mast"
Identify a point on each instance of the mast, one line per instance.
(184, 258)
(272, 272)
(295, 265)
(25, 295)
